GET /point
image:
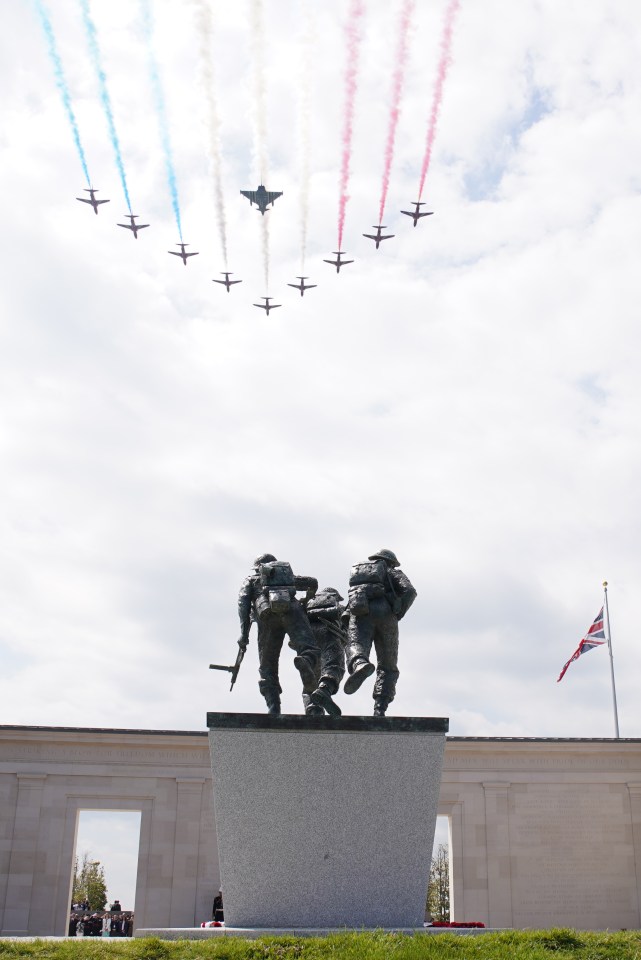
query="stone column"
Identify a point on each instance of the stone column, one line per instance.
(635, 811)
(23, 863)
(186, 851)
(498, 854)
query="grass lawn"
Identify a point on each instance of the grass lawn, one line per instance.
(511, 945)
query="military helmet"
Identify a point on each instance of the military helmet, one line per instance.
(387, 555)
(331, 590)
(264, 558)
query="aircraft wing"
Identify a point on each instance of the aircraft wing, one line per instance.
(194, 254)
(251, 195)
(270, 197)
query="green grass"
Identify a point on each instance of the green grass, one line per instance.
(511, 945)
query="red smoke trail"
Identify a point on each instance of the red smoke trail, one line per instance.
(397, 89)
(356, 11)
(444, 62)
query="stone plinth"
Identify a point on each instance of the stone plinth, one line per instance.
(325, 822)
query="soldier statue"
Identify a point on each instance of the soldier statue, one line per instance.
(379, 596)
(328, 619)
(268, 598)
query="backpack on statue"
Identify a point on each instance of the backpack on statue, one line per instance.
(367, 581)
(278, 587)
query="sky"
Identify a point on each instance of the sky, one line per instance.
(467, 396)
(112, 838)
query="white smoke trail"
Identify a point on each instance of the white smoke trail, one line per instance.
(265, 247)
(260, 116)
(205, 28)
(306, 66)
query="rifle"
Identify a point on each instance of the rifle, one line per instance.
(334, 629)
(233, 670)
(397, 603)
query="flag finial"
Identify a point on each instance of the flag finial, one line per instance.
(605, 583)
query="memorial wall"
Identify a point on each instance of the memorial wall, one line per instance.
(543, 832)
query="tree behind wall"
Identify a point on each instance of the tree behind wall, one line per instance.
(438, 891)
(89, 883)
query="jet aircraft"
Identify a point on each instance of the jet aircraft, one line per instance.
(183, 256)
(302, 286)
(91, 199)
(267, 306)
(378, 236)
(261, 197)
(338, 263)
(415, 214)
(134, 227)
(227, 282)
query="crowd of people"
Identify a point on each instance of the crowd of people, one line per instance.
(114, 922)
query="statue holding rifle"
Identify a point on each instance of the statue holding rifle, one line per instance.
(268, 598)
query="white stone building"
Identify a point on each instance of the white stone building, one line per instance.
(543, 832)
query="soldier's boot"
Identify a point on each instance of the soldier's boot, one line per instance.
(380, 706)
(307, 674)
(361, 671)
(273, 703)
(322, 697)
(313, 710)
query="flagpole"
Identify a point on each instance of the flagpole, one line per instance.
(614, 693)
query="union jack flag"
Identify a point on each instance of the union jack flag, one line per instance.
(595, 637)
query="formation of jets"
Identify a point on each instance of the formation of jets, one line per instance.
(378, 236)
(91, 199)
(263, 199)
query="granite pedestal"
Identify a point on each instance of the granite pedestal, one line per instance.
(325, 821)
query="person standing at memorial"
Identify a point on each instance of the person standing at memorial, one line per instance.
(268, 598)
(380, 595)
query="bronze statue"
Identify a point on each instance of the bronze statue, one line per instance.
(268, 598)
(326, 613)
(379, 596)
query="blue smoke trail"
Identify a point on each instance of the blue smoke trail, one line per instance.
(94, 49)
(61, 82)
(159, 102)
